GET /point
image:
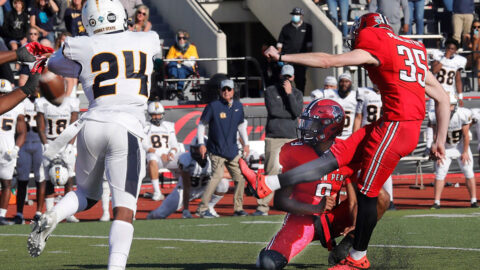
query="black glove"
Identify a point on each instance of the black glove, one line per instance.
(31, 85)
(23, 55)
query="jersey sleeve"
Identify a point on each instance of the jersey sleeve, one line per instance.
(39, 105)
(74, 104)
(466, 116)
(461, 62)
(172, 136)
(65, 67)
(436, 55)
(316, 94)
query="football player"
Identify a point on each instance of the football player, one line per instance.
(29, 160)
(161, 145)
(12, 136)
(369, 108)
(114, 67)
(52, 120)
(307, 220)
(399, 67)
(457, 147)
(195, 173)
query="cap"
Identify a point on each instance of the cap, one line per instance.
(287, 70)
(346, 76)
(226, 83)
(330, 80)
(297, 11)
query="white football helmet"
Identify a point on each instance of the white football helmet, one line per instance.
(155, 107)
(58, 172)
(103, 16)
(5, 86)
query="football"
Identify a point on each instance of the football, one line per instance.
(52, 87)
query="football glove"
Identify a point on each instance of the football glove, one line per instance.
(11, 154)
(30, 87)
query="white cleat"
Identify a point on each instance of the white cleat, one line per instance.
(105, 216)
(41, 230)
(213, 212)
(158, 197)
(72, 219)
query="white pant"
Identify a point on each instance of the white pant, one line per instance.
(109, 148)
(30, 160)
(454, 153)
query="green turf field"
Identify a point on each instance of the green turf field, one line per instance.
(402, 240)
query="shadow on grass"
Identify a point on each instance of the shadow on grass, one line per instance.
(197, 266)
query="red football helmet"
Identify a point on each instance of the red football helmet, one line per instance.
(322, 120)
(367, 20)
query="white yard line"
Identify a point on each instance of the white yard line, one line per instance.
(234, 242)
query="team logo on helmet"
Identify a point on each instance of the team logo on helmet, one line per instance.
(92, 22)
(111, 17)
(2, 84)
(101, 19)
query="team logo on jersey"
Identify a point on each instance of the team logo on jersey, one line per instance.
(223, 115)
(111, 17)
(92, 22)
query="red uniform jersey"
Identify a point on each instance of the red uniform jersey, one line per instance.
(401, 74)
(296, 153)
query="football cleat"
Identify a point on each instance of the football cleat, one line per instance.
(206, 214)
(4, 221)
(259, 213)
(72, 219)
(213, 212)
(340, 252)
(350, 263)
(435, 206)
(105, 217)
(474, 205)
(158, 197)
(18, 219)
(41, 230)
(240, 213)
(186, 214)
(255, 182)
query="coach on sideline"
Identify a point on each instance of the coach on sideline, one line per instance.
(224, 118)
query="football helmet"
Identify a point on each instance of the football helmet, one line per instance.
(322, 120)
(103, 16)
(367, 20)
(5, 86)
(58, 172)
(156, 108)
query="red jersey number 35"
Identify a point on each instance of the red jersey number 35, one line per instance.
(413, 61)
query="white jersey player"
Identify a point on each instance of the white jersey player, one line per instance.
(161, 146)
(369, 110)
(11, 123)
(195, 173)
(457, 147)
(30, 160)
(114, 67)
(447, 66)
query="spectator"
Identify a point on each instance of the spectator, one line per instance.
(457, 147)
(73, 19)
(473, 44)
(416, 9)
(182, 49)
(329, 83)
(284, 105)
(392, 9)
(141, 20)
(462, 19)
(332, 11)
(130, 6)
(42, 18)
(59, 24)
(296, 37)
(224, 117)
(16, 25)
(32, 36)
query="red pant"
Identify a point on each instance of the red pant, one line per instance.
(298, 231)
(377, 147)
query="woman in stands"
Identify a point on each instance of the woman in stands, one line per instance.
(141, 19)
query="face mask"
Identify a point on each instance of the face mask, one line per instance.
(156, 121)
(296, 18)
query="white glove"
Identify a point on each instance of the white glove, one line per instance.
(44, 147)
(11, 154)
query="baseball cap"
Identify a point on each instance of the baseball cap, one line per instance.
(287, 70)
(330, 80)
(346, 76)
(226, 83)
(297, 11)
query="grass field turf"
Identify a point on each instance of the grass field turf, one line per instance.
(407, 239)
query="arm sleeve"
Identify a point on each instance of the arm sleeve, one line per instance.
(60, 65)
(242, 130)
(173, 138)
(201, 132)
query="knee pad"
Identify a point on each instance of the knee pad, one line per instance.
(222, 186)
(152, 156)
(324, 231)
(271, 260)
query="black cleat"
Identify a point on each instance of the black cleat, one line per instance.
(474, 205)
(340, 252)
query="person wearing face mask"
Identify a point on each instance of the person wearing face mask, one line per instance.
(296, 37)
(182, 49)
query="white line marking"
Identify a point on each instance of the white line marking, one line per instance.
(58, 252)
(99, 245)
(210, 225)
(474, 215)
(262, 222)
(234, 242)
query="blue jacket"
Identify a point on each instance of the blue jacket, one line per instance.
(223, 124)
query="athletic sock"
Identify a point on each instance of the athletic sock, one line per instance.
(38, 213)
(49, 202)
(105, 196)
(3, 212)
(473, 200)
(272, 182)
(437, 202)
(388, 186)
(156, 186)
(214, 200)
(70, 204)
(120, 240)
(357, 255)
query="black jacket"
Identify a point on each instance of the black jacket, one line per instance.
(15, 26)
(283, 111)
